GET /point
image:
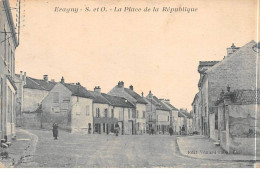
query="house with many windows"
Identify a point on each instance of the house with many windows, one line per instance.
(122, 110)
(158, 115)
(8, 45)
(138, 117)
(103, 113)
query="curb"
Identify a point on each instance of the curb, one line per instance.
(28, 154)
(183, 154)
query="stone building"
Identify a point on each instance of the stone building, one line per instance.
(122, 110)
(139, 113)
(8, 45)
(30, 94)
(235, 122)
(103, 115)
(237, 70)
(158, 115)
(195, 112)
(173, 114)
(69, 105)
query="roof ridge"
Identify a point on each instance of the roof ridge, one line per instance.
(230, 57)
(33, 80)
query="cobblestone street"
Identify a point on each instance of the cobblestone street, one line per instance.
(77, 150)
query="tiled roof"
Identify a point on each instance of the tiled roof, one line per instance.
(247, 96)
(207, 63)
(245, 49)
(136, 96)
(39, 84)
(184, 114)
(78, 90)
(171, 106)
(118, 101)
(159, 105)
(99, 98)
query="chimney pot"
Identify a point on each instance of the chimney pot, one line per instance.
(62, 80)
(131, 87)
(97, 89)
(45, 78)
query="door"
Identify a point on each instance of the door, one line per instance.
(97, 128)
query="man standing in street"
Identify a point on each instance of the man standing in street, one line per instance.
(55, 131)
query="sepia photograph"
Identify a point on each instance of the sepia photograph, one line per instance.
(129, 84)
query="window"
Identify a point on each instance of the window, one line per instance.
(112, 113)
(168, 118)
(128, 113)
(97, 112)
(216, 120)
(105, 112)
(87, 110)
(137, 113)
(143, 114)
(104, 127)
(55, 97)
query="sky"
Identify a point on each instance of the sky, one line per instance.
(151, 51)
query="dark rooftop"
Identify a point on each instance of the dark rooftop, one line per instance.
(78, 90)
(99, 98)
(118, 101)
(33, 83)
(136, 96)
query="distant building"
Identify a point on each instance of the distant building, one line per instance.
(173, 114)
(184, 120)
(103, 113)
(158, 115)
(196, 123)
(138, 116)
(122, 110)
(8, 45)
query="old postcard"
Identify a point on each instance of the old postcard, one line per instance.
(129, 84)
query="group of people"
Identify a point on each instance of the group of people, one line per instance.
(117, 128)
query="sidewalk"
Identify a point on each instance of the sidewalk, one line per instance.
(21, 151)
(201, 147)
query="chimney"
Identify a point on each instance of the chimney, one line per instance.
(231, 49)
(52, 80)
(24, 78)
(120, 84)
(97, 89)
(62, 80)
(21, 75)
(142, 94)
(167, 100)
(45, 78)
(150, 95)
(131, 87)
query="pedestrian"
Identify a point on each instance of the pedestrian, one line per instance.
(183, 130)
(152, 130)
(55, 131)
(170, 131)
(117, 129)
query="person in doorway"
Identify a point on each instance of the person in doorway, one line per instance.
(152, 130)
(171, 131)
(55, 131)
(183, 130)
(117, 128)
